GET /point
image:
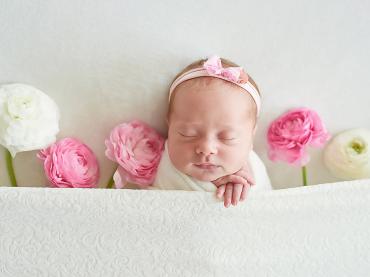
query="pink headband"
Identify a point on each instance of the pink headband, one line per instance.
(213, 67)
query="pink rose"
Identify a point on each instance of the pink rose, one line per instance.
(69, 163)
(290, 133)
(137, 148)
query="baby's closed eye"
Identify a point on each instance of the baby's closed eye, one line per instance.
(227, 136)
(188, 134)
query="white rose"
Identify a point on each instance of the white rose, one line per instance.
(347, 155)
(28, 118)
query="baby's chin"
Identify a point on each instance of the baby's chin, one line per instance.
(206, 178)
(205, 175)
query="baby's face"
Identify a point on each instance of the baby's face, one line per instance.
(211, 128)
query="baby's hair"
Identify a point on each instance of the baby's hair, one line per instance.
(199, 63)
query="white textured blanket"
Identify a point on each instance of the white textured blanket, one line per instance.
(169, 178)
(321, 230)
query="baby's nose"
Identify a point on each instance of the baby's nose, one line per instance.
(206, 148)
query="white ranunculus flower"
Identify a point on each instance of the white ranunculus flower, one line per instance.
(347, 155)
(29, 119)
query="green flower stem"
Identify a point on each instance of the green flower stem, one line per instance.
(9, 166)
(304, 175)
(110, 183)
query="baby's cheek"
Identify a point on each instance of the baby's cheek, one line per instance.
(234, 160)
(179, 156)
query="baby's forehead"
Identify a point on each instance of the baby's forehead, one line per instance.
(208, 88)
(200, 124)
(212, 95)
(206, 81)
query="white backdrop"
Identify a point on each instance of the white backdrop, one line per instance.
(105, 62)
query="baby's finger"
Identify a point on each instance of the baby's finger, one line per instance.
(251, 180)
(247, 176)
(228, 194)
(244, 193)
(232, 178)
(220, 191)
(220, 181)
(237, 190)
(236, 179)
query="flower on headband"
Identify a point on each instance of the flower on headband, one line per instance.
(234, 74)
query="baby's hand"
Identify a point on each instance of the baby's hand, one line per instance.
(234, 187)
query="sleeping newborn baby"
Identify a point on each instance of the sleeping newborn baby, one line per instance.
(212, 120)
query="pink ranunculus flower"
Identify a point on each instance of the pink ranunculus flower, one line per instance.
(289, 134)
(70, 163)
(137, 148)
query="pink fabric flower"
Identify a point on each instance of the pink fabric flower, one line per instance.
(290, 133)
(137, 148)
(69, 163)
(234, 74)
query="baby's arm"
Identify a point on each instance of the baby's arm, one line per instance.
(234, 187)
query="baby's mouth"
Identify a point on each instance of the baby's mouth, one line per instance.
(207, 166)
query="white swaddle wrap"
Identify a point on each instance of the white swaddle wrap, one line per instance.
(169, 178)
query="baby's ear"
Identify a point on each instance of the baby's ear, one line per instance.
(254, 134)
(255, 130)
